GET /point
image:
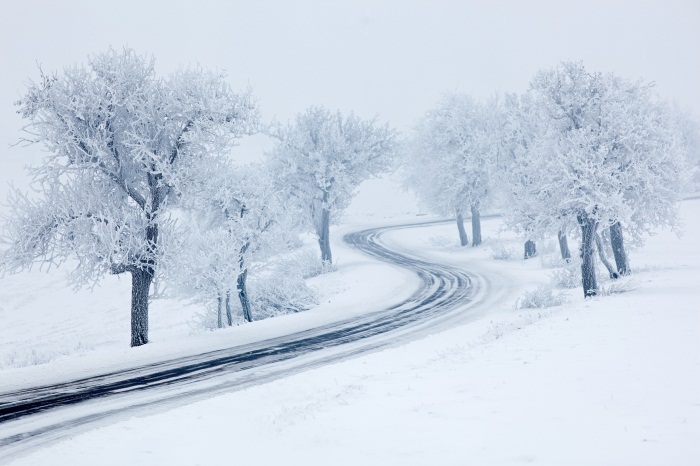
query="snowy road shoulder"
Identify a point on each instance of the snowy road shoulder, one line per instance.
(609, 381)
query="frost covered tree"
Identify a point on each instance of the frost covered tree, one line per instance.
(234, 218)
(450, 160)
(122, 143)
(598, 150)
(530, 208)
(322, 157)
(689, 129)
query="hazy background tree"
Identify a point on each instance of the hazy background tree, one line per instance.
(689, 129)
(122, 143)
(531, 207)
(322, 157)
(450, 160)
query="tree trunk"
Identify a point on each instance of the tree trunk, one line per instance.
(618, 247)
(229, 316)
(243, 295)
(219, 311)
(142, 277)
(463, 240)
(603, 259)
(241, 284)
(564, 246)
(588, 276)
(530, 249)
(476, 225)
(324, 236)
(140, 285)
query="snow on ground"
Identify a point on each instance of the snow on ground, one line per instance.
(611, 380)
(50, 333)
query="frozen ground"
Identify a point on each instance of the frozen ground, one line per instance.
(613, 380)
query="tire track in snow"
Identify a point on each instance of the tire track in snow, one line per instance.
(447, 296)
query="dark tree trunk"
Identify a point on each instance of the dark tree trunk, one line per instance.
(241, 284)
(463, 240)
(140, 286)
(229, 316)
(243, 295)
(324, 236)
(530, 249)
(588, 276)
(601, 254)
(142, 277)
(476, 225)
(618, 247)
(219, 311)
(564, 246)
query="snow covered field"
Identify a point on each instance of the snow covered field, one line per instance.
(612, 380)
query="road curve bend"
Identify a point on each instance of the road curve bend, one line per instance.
(446, 296)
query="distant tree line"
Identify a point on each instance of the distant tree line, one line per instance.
(579, 153)
(138, 178)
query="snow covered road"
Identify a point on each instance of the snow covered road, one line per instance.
(447, 296)
(610, 380)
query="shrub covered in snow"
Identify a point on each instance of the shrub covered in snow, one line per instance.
(617, 287)
(552, 261)
(501, 252)
(568, 276)
(281, 294)
(540, 298)
(306, 263)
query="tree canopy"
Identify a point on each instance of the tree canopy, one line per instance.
(595, 149)
(122, 145)
(323, 157)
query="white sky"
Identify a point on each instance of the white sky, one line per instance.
(386, 58)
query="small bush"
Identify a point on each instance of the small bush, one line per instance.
(540, 298)
(305, 264)
(280, 294)
(37, 356)
(617, 287)
(568, 276)
(501, 252)
(552, 261)
(208, 320)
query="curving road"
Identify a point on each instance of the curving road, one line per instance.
(446, 296)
